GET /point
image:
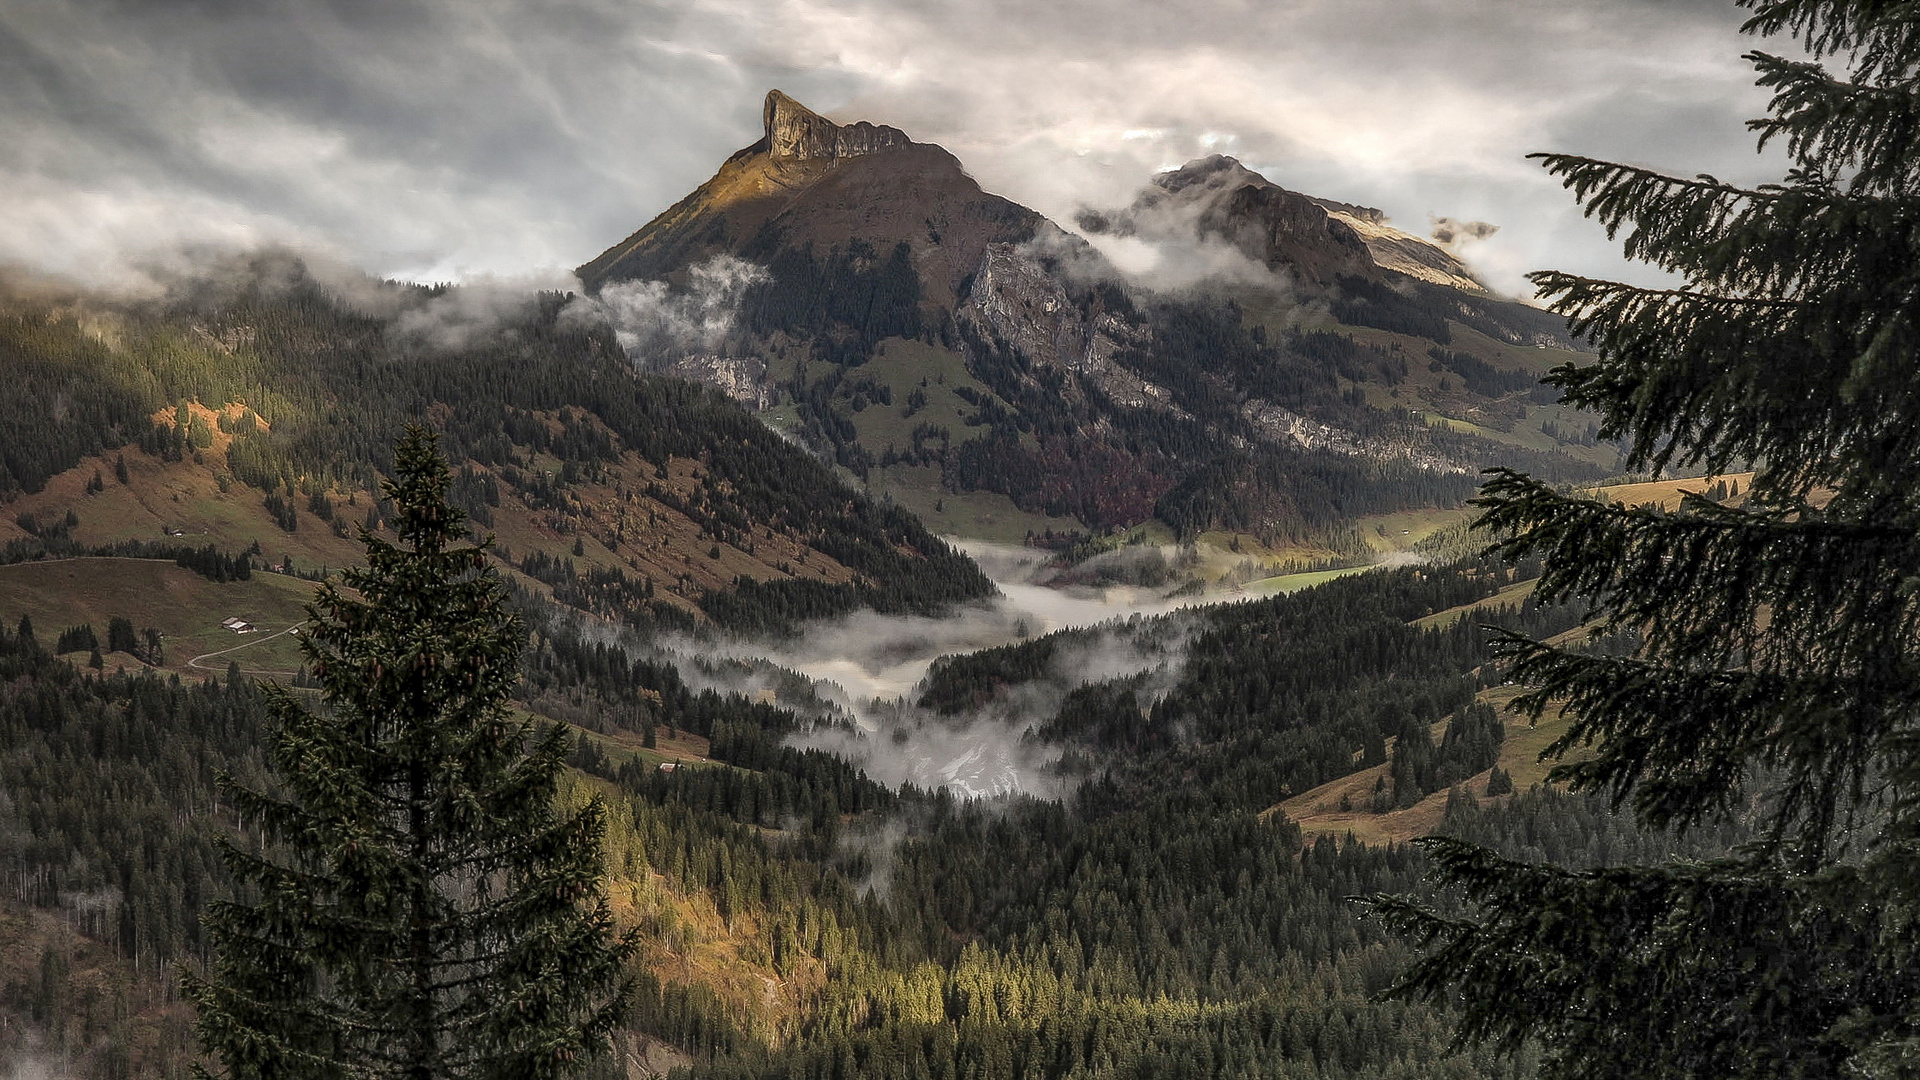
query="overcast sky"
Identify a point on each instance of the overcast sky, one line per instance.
(450, 139)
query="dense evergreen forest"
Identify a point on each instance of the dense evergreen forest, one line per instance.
(1154, 923)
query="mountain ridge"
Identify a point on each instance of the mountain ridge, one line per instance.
(1278, 228)
(939, 341)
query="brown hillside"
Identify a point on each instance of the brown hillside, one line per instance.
(628, 517)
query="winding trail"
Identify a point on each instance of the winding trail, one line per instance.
(195, 662)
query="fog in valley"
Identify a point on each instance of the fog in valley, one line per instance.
(866, 669)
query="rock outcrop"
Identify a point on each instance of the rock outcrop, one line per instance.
(742, 378)
(1019, 301)
(795, 132)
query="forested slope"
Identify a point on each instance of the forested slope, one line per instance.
(802, 920)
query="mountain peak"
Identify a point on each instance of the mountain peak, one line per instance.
(1318, 239)
(795, 132)
(1221, 171)
(808, 180)
(1214, 168)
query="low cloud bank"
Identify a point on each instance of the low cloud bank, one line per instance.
(656, 323)
(867, 668)
(1158, 243)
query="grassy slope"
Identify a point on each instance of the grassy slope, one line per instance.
(902, 366)
(1427, 391)
(616, 523)
(975, 515)
(1667, 493)
(185, 496)
(1318, 811)
(1289, 583)
(186, 608)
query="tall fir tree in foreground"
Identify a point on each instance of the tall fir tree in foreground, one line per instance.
(418, 907)
(1773, 667)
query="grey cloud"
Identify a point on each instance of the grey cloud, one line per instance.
(1157, 243)
(1448, 231)
(451, 138)
(655, 323)
(474, 310)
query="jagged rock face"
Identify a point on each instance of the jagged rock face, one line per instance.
(1284, 229)
(1020, 302)
(1017, 300)
(797, 133)
(1278, 425)
(742, 378)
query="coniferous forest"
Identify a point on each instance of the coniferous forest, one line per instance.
(497, 826)
(1153, 922)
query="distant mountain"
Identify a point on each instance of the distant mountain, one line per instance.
(1316, 240)
(992, 371)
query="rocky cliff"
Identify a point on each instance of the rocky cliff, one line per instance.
(795, 132)
(1017, 300)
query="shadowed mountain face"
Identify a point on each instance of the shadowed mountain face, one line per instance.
(994, 373)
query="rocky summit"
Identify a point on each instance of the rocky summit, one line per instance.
(808, 180)
(796, 132)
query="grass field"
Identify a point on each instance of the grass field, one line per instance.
(1288, 583)
(1667, 493)
(902, 365)
(181, 502)
(976, 515)
(1400, 530)
(186, 608)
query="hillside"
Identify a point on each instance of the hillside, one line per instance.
(250, 412)
(974, 361)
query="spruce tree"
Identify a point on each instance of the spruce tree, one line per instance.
(413, 904)
(1770, 667)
